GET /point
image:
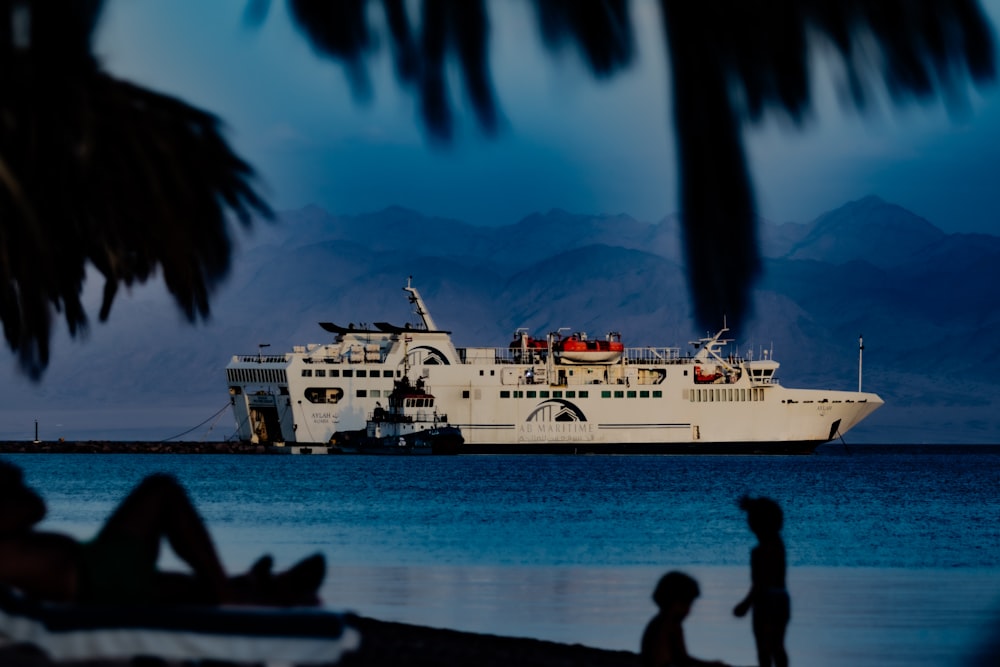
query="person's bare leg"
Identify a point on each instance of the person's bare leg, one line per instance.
(159, 508)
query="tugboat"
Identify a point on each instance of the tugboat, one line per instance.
(410, 425)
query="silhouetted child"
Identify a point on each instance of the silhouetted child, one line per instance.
(768, 595)
(663, 641)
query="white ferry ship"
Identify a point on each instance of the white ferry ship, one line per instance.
(560, 394)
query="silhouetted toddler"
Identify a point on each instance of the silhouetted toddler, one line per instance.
(768, 595)
(663, 641)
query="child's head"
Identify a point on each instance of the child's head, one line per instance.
(15, 493)
(763, 515)
(675, 588)
(11, 481)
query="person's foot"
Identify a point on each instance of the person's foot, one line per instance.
(250, 587)
(262, 567)
(299, 585)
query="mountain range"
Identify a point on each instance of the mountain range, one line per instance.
(926, 302)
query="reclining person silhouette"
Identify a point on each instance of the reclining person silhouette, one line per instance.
(119, 565)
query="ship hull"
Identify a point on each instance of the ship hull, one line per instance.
(631, 448)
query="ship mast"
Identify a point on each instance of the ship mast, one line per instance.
(420, 309)
(861, 350)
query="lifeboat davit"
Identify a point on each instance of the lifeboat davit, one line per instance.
(522, 339)
(578, 349)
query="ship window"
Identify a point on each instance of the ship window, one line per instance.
(557, 394)
(723, 396)
(685, 373)
(362, 393)
(348, 373)
(481, 373)
(465, 393)
(643, 394)
(531, 394)
(518, 394)
(630, 394)
(543, 394)
(584, 394)
(605, 394)
(323, 395)
(504, 394)
(334, 373)
(387, 374)
(619, 394)
(362, 374)
(320, 373)
(690, 395)
(307, 372)
(375, 393)
(492, 373)
(570, 394)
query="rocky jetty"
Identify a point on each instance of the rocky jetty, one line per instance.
(124, 447)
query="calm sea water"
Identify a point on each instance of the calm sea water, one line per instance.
(894, 552)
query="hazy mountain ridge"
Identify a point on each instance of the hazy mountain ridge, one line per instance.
(869, 229)
(926, 302)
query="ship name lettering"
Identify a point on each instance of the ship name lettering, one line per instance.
(555, 431)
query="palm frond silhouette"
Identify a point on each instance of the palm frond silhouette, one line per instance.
(95, 170)
(100, 171)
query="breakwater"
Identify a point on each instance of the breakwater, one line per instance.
(126, 447)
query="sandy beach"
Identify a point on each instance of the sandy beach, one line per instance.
(403, 645)
(400, 644)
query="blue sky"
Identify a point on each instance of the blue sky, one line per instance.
(567, 140)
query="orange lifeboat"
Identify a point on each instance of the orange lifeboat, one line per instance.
(702, 378)
(578, 349)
